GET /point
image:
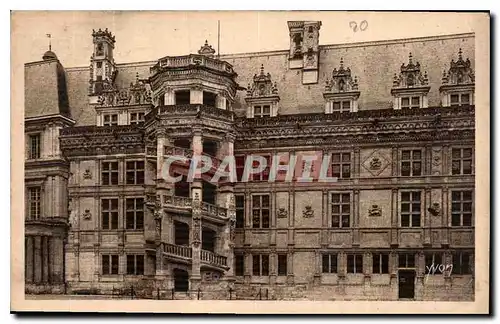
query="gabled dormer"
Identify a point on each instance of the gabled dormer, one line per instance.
(411, 87)
(457, 87)
(341, 91)
(262, 96)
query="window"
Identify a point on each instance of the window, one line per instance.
(264, 175)
(135, 213)
(239, 264)
(410, 102)
(136, 118)
(410, 209)
(461, 161)
(109, 213)
(240, 166)
(110, 264)
(341, 209)
(411, 163)
(406, 260)
(99, 65)
(260, 264)
(109, 173)
(282, 264)
(209, 99)
(462, 263)
(380, 263)
(34, 200)
(100, 49)
(262, 111)
(354, 263)
(461, 208)
(240, 211)
(135, 264)
(329, 263)
(135, 172)
(182, 97)
(110, 120)
(341, 106)
(459, 99)
(434, 263)
(34, 147)
(260, 211)
(341, 165)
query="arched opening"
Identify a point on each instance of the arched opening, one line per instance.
(209, 192)
(181, 280)
(181, 233)
(208, 239)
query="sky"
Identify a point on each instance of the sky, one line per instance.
(150, 35)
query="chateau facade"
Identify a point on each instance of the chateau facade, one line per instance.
(395, 118)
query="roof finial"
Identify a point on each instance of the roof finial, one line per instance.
(262, 69)
(460, 54)
(206, 42)
(49, 36)
(411, 59)
(341, 62)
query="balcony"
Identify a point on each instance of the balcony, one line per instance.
(210, 212)
(171, 151)
(184, 254)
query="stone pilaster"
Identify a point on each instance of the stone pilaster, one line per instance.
(38, 259)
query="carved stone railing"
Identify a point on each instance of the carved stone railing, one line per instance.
(213, 259)
(178, 250)
(191, 60)
(194, 110)
(213, 210)
(178, 201)
(188, 154)
(187, 202)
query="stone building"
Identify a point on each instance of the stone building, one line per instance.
(395, 119)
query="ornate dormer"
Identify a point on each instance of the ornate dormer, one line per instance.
(410, 87)
(458, 83)
(262, 96)
(341, 91)
(102, 65)
(304, 49)
(207, 50)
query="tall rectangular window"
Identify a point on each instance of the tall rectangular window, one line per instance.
(341, 165)
(354, 263)
(260, 264)
(239, 264)
(109, 210)
(406, 260)
(135, 172)
(34, 146)
(411, 163)
(262, 111)
(260, 211)
(109, 173)
(109, 264)
(380, 263)
(341, 106)
(410, 102)
(329, 263)
(110, 120)
(136, 118)
(264, 175)
(459, 99)
(461, 208)
(341, 210)
(240, 211)
(240, 166)
(34, 199)
(410, 209)
(461, 161)
(462, 263)
(282, 264)
(135, 264)
(434, 263)
(135, 213)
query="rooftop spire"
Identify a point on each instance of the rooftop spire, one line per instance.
(49, 36)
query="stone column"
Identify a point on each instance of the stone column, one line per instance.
(29, 259)
(427, 216)
(38, 259)
(220, 102)
(394, 218)
(169, 96)
(355, 221)
(195, 237)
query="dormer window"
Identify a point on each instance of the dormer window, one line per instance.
(457, 87)
(262, 96)
(341, 91)
(411, 87)
(136, 118)
(110, 120)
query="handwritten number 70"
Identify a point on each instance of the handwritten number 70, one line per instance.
(362, 25)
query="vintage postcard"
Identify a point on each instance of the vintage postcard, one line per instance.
(250, 162)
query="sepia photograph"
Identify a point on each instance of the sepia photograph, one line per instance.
(316, 160)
